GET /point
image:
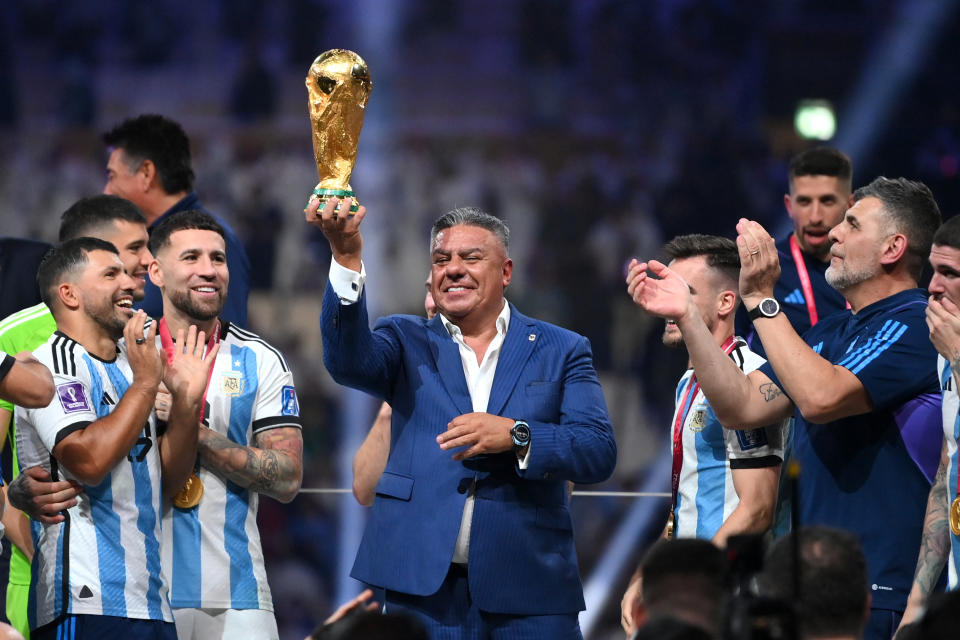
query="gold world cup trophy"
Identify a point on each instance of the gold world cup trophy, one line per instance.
(338, 86)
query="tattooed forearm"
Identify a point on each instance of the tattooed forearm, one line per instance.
(935, 542)
(770, 391)
(274, 467)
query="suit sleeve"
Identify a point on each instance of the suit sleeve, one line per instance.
(353, 354)
(580, 447)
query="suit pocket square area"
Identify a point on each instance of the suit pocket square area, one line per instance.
(554, 518)
(543, 386)
(395, 485)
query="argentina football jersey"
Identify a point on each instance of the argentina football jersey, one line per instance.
(212, 550)
(951, 433)
(104, 559)
(706, 495)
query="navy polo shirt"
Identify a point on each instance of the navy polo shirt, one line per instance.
(871, 473)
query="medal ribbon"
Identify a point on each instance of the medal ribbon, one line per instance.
(166, 341)
(691, 392)
(805, 281)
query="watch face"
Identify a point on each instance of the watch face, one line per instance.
(769, 307)
(521, 434)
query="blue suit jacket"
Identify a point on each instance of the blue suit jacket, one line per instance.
(522, 559)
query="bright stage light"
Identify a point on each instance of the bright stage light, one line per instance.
(815, 120)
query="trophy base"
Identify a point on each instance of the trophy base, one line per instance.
(325, 194)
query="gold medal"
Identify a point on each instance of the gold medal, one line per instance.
(955, 516)
(189, 496)
(669, 532)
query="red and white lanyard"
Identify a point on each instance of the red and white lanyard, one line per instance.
(805, 281)
(685, 405)
(166, 341)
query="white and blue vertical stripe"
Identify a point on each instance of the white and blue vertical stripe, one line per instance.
(951, 434)
(214, 550)
(105, 558)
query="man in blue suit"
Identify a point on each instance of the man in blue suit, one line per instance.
(493, 412)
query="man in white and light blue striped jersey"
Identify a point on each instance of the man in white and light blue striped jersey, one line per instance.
(724, 480)
(249, 444)
(98, 572)
(727, 482)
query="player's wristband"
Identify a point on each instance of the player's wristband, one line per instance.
(6, 364)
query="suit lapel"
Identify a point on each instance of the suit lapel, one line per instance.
(520, 341)
(446, 353)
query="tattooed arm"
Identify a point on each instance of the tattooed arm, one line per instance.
(273, 466)
(735, 399)
(934, 544)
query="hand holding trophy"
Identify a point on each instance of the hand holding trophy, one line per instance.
(338, 86)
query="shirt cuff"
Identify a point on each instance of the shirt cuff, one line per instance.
(347, 283)
(524, 462)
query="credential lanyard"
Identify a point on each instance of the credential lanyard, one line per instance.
(805, 281)
(166, 341)
(685, 405)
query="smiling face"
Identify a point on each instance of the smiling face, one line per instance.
(191, 271)
(945, 282)
(816, 204)
(469, 274)
(106, 292)
(130, 239)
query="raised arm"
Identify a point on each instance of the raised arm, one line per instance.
(273, 466)
(371, 458)
(738, 401)
(821, 390)
(341, 231)
(90, 452)
(186, 378)
(24, 380)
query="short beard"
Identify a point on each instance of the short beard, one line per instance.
(672, 340)
(844, 278)
(106, 317)
(181, 300)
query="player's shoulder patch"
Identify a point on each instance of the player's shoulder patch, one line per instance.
(751, 438)
(73, 397)
(289, 404)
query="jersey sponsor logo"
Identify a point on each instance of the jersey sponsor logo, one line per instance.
(72, 397)
(232, 383)
(699, 420)
(289, 401)
(751, 438)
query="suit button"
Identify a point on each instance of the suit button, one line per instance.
(463, 485)
(547, 475)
